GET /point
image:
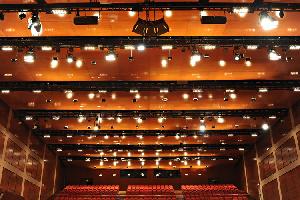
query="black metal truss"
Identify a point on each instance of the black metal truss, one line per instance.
(151, 5)
(177, 158)
(144, 114)
(166, 133)
(149, 42)
(97, 147)
(149, 85)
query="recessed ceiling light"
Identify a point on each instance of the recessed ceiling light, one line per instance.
(222, 63)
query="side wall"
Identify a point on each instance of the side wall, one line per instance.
(272, 167)
(26, 165)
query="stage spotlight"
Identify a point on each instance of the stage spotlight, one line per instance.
(70, 58)
(54, 63)
(29, 57)
(35, 25)
(150, 28)
(267, 22)
(273, 55)
(22, 15)
(111, 56)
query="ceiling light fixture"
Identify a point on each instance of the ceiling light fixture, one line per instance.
(168, 13)
(265, 126)
(241, 11)
(70, 58)
(29, 57)
(273, 55)
(78, 63)
(267, 22)
(150, 28)
(54, 63)
(110, 56)
(35, 25)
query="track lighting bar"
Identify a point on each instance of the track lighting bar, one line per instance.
(149, 85)
(211, 133)
(97, 6)
(149, 42)
(177, 158)
(98, 147)
(35, 114)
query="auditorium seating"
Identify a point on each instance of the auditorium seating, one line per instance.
(212, 192)
(85, 192)
(150, 189)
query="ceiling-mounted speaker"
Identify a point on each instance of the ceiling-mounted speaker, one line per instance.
(86, 20)
(213, 20)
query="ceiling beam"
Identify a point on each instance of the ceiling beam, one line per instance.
(149, 85)
(35, 114)
(149, 42)
(97, 6)
(210, 133)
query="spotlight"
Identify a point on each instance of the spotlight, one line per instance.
(35, 25)
(150, 28)
(29, 57)
(60, 12)
(222, 63)
(131, 13)
(22, 15)
(273, 55)
(202, 127)
(110, 56)
(69, 94)
(241, 11)
(238, 56)
(70, 58)
(265, 126)
(220, 120)
(78, 63)
(141, 47)
(164, 63)
(54, 62)
(168, 13)
(279, 13)
(248, 62)
(267, 22)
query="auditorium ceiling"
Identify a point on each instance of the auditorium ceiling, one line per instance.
(102, 96)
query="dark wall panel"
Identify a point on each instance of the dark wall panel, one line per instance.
(36, 146)
(296, 113)
(267, 166)
(15, 155)
(48, 175)
(270, 191)
(252, 173)
(4, 110)
(11, 181)
(31, 191)
(286, 153)
(263, 144)
(19, 130)
(2, 138)
(290, 184)
(281, 128)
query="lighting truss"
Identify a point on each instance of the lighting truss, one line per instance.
(36, 114)
(97, 6)
(149, 42)
(110, 86)
(187, 147)
(120, 133)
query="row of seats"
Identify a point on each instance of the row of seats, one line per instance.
(91, 189)
(217, 198)
(150, 189)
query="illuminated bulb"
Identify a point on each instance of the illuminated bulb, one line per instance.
(198, 162)
(131, 13)
(106, 137)
(101, 163)
(274, 56)
(232, 95)
(110, 56)
(209, 47)
(141, 47)
(115, 163)
(157, 162)
(113, 96)
(267, 22)
(119, 119)
(166, 47)
(248, 63)
(59, 12)
(222, 63)
(157, 153)
(143, 163)
(54, 63)
(202, 127)
(185, 153)
(160, 120)
(70, 58)
(185, 163)
(220, 120)
(115, 154)
(6, 48)
(139, 120)
(29, 57)
(91, 95)
(137, 96)
(69, 94)
(168, 13)
(177, 137)
(252, 47)
(58, 149)
(164, 63)
(203, 13)
(265, 126)
(241, 11)
(78, 63)
(193, 63)
(5, 91)
(185, 96)
(81, 118)
(128, 163)
(128, 154)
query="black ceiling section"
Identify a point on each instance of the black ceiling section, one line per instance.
(149, 85)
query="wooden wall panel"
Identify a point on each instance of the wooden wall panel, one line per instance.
(270, 191)
(33, 168)
(11, 181)
(290, 184)
(286, 153)
(281, 128)
(296, 113)
(36, 146)
(31, 191)
(2, 138)
(267, 166)
(15, 155)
